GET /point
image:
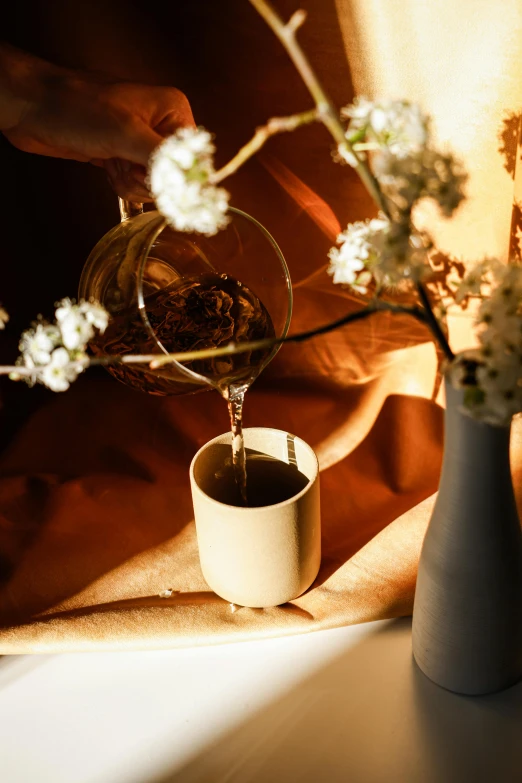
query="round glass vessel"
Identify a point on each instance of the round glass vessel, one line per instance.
(168, 291)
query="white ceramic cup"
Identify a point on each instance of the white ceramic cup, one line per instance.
(266, 555)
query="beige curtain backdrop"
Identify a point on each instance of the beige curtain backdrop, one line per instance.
(95, 512)
(461, 62)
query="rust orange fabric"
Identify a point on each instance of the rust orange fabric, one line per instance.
(96, 526)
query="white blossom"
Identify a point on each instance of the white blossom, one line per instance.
(398, 126)
(180, 180)
(59, 373)
(491, 375)
(56, 352)
(358, 248)
(499, 317)
(345, 267)
(498, 377)
(77, 322)
(75, 328)
(4, 317)
(462, 370)
(480, 275)
(423, 174)
(498, 327)
(36, 345)
(95, 314)
(380, 249)
(491, 385)
(404, 162)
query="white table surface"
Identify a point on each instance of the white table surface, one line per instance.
(343, 705)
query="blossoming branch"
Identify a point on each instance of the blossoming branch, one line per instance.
(390, 145)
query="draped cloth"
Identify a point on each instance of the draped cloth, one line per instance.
(97, 539)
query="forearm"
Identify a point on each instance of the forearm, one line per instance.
(23, 83)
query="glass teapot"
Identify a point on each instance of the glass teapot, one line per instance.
(168, 291)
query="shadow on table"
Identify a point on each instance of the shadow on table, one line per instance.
(369, 716)
(195, 598)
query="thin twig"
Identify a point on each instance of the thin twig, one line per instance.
(262, 134)
(376, 306)
(156, 361)
(433, 323)
(8, 369)
(326, 109)
(330, 118)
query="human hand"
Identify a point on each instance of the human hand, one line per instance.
(87, 117)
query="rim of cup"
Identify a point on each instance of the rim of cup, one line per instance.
(249, 509)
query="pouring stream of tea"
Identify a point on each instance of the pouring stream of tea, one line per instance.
(204, 311)
(236, 398)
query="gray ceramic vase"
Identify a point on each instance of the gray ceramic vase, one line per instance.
(467, 617)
